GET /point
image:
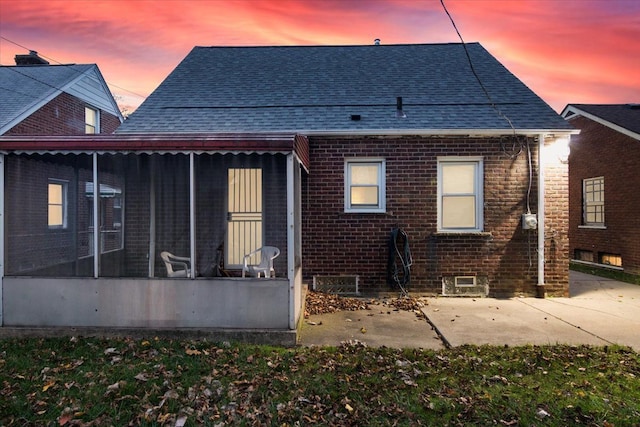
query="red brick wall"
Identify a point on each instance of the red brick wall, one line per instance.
(601, 151)
(339, 243)
(63, 115)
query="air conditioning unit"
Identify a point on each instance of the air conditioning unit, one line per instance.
(529, 221)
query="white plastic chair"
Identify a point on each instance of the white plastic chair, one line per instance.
(265, 267)
(177, 266)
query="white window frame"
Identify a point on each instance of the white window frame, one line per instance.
(63, 204)
(478, 193)
(87, 125)
(381, 207)
(586, 183)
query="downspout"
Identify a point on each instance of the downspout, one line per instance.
(2, 190)
(540, 289)
(192, 214)
(291, 250)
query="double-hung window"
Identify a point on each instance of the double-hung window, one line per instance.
(91, 120)
(364, 183)
(460, 194)
(593, 205)
(57, 204)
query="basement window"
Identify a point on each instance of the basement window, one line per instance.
(583, 255)
(463, 281)
(613, 260)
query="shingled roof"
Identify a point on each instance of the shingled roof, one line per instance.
(341, 89)
(625, 116)
(25, 89)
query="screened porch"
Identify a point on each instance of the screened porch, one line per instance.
(78, 253)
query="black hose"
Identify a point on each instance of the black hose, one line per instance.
(399, 277)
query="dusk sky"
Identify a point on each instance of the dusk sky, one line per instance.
(567, 51)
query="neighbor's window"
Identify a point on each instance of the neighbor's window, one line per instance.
(364, 182)
(57, 202)
(583, 255)
(90, 120)
(460, 194)
(593, 196)
(614, 260)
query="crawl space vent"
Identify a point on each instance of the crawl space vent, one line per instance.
(344, 285)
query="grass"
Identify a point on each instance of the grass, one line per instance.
(605, 272)
(86, 382)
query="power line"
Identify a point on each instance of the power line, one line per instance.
(69, 65)
(473, 70)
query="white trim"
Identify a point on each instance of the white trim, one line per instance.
(478, 192)
(431, 132)
(291, 235)
(541, 211)
(96, 220)
(192, 214)
(382, 184)
(2, 190)
(578, 112)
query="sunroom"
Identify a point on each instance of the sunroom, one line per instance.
(87, 218)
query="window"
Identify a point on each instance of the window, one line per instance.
(364, 182)
(460, 198)
(90, 120)
(593, 197)
(57, 202)
(583, 255)
(613, 260)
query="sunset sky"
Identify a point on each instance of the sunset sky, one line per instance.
(567, 51)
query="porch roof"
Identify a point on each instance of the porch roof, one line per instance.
(178, 143)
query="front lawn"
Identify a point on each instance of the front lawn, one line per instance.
(82, 381)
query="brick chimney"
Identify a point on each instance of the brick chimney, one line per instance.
(30, 59)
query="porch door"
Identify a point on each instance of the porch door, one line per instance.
(244, 215)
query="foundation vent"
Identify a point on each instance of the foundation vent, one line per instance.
(343, 285)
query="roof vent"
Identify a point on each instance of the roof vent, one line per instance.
(376, 42)
(399, 112)
(31, 59)
(634, 106)
(356, 117)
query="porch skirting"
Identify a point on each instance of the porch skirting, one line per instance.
(252, 305)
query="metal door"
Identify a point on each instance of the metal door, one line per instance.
(244, 215)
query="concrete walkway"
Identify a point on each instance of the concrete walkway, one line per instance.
(599, 312)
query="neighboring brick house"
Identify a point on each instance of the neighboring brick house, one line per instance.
(322, 151)
(604, 177)
(47, 100)
(42, 99)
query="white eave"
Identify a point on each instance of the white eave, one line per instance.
(578, 112)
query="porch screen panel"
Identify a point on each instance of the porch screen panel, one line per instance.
(244, 217)
(111, 202)
(43, 216)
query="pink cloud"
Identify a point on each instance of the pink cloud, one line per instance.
(564, 50)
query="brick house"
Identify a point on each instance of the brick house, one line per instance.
(322, 151)
(43, 99)
(604, 229)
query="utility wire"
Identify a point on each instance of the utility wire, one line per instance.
(473, 70)
(70, 66)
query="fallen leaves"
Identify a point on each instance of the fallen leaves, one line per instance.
(178, 383)
(324, 303)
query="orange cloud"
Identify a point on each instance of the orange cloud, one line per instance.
(566, 51)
